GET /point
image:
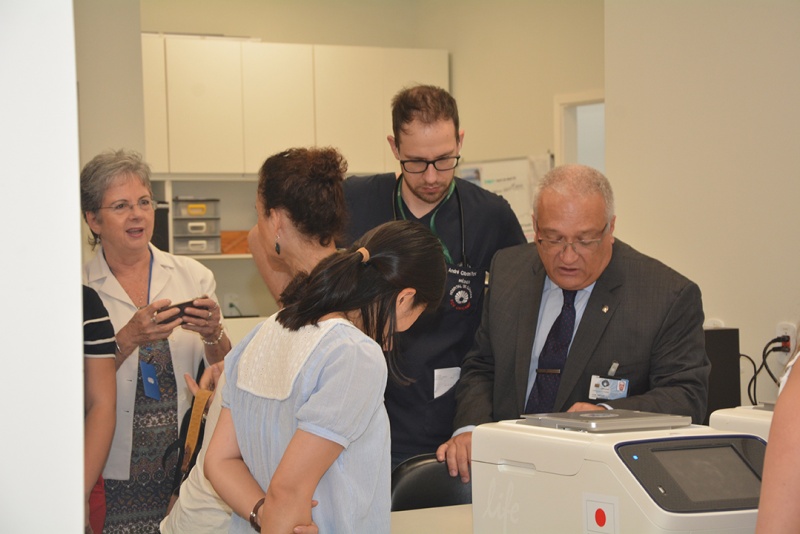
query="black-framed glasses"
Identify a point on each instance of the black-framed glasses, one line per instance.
(579, 247)
(123, 206)
(418, 166)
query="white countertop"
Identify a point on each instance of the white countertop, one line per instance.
(450, 519)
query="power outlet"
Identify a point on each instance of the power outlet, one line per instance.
(230, 304)
(787, 328)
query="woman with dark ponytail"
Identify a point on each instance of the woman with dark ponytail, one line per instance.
(303, 414)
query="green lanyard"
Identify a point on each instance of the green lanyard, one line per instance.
(399, 200)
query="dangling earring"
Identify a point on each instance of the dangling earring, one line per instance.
(277, 245)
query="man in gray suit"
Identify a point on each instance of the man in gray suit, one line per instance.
(635, 341)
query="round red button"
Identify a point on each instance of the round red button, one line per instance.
(600, 517)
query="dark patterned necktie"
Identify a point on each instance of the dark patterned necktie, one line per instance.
(552, 358)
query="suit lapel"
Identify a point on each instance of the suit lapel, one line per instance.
(528, 318)
(603, 302)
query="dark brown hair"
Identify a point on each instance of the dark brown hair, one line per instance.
(307, 183)
(425, 103)
(402, 254)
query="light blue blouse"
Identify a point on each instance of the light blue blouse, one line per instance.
(337, 394)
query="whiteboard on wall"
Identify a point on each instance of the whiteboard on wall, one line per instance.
(514, 180)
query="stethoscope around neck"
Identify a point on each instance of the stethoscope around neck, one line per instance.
(397, 203)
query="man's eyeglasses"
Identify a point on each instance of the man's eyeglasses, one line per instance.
(418, 166)
(580, 247)
(123, 206)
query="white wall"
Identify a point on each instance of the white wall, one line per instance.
(509, 60)
(109, 69)
(109, 66)
(41, 451)
(702, 133)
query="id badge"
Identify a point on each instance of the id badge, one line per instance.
(150, 380)
(607, 388)
(444, 380)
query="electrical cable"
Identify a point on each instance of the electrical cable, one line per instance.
(766, 365)
(235, 307)
(753, 383)
(753, 363)
(751, 387)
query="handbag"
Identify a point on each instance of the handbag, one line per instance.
(190, 439)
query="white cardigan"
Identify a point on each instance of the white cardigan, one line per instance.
(178, 279)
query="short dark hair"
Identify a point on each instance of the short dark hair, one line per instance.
(307, 183)
(402, 254)
(425, 103)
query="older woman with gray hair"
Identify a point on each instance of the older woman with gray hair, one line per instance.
(156, 343)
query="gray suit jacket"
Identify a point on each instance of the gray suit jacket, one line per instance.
(641, 314)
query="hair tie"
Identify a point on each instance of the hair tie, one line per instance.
(365, 253)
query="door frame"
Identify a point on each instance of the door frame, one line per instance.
(565, 127)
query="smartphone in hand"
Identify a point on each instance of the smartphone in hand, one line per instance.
(181, 309)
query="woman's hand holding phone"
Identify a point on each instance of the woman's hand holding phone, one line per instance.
(202, 315)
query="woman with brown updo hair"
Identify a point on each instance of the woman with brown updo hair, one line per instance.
(301, 211)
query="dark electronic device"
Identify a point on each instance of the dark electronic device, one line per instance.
(181, 309)
(700, 474)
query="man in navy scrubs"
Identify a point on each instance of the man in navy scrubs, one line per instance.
(472, 225)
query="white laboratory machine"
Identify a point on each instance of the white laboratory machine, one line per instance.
(748, 419)
(615, 471)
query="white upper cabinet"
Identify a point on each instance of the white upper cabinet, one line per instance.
(350, 104)
(278, 91)
(154, 79)
(222, 106)
(204, 95)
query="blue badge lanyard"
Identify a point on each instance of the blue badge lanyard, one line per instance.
(399, 204)
(149, 276)
(149, 281)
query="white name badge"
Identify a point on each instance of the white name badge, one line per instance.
(444, 379)
(607, 388)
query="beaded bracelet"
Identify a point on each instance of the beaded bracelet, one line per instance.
(219, 337)
(254, 515)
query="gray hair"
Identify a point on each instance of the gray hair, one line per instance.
(103, 171)
(579, 180)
